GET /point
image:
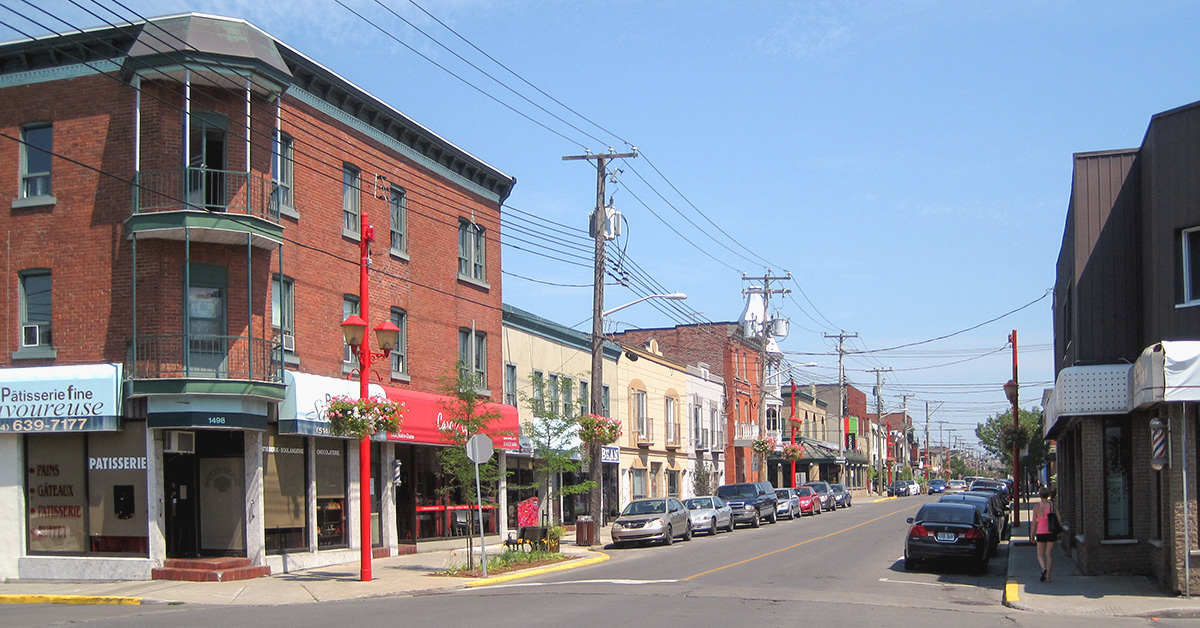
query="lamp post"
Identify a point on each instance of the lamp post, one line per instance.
(1010, 389)
(386, 335)
(595, 470)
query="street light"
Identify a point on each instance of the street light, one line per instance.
(387, 335)
(597, 392)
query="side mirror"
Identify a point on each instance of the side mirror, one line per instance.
(909, 520)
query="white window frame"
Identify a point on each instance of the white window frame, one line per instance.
(472, 251)
(472, 352)
(283, 306)
(669, 414)
(39, 184)
(641, 415)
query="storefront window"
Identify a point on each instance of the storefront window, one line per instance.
(673, 483)
(1117, 459)
(638, 477)
(117, 490)
(57, 490)
(331, 492)
(285, 493)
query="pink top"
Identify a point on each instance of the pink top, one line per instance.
(1043, 521)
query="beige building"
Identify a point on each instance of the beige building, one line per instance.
(656, 452)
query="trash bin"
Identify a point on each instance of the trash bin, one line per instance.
(585, 531)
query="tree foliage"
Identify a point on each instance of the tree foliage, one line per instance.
(997, 437)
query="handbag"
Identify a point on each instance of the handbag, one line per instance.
(1053, 523)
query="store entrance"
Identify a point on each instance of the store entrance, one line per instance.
(206, 497)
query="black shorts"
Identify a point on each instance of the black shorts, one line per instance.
(1048, 537)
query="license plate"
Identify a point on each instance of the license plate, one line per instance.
(946, 536)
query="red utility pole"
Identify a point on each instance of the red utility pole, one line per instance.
(1016, 410)
(366, 234)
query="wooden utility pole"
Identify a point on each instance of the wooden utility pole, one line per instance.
(842, 400)
(597, 384)
(764, 334)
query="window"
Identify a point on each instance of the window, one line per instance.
(285, 493)
(1118, 457)
(584, 399)
(349, 306)
(35, 160)
(350, 200)
(539, 388)
(639, 413)
(35, 308)
(552, 393)
(568, 399)
(669, 417)
(638, 480)
(283, 171)
(510, 384)
(283, 311)
(604, 398)
(472, 353)
(772, 419)
(400, 353)
(699, 434)
(673, 483)
(398, 200)
(471, 251)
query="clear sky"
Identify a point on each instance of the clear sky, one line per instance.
(908, 162)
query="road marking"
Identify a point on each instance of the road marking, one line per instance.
(617, 581)
(930, 584)
(784, 549)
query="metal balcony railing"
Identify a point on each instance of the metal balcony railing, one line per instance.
(176, 356)
(674, 434)
(643, 431)
(206, 189)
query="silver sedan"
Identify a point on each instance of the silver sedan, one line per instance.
(709, 514)
(646, 520)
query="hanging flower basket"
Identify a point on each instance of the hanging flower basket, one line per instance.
(792, 452)
(763, 446)
(595, 429)
(363, 418)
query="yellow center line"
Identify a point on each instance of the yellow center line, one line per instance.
(784, 549)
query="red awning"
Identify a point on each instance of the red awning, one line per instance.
(423, 413)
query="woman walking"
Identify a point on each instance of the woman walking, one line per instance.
(1040, 532)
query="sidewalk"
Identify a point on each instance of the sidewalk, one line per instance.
(392, 576)
(1071, 593)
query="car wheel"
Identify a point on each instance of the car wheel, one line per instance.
(909, 564)
(669, 537)
(757, 522)
(712, 529)
(774, 517)
(729, 528)
(687, 536)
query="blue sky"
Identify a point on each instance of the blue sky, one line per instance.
(908, 162)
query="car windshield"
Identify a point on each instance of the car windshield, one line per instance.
(696, 503)
(805, 491)
(782, 492)
(646, 507)
(820, 487)
(980, 504)
(949, 513)
(735, 491)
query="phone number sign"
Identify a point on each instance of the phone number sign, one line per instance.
(82, 424)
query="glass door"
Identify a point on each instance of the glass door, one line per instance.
(206, 162)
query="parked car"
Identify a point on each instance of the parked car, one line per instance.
(937, 485)
(709, 514)
(993, 485)
(645, 520)
(947, 532)
(787, 502)
(841, 496)
(751, 502)
(994, 521)
(997, 500)
(956, 486)
(914, 487)
(810, 501)
(899, 488)
(825, 493)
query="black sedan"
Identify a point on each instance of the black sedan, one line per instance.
(947, 532)
(993, 520)
(841, 496)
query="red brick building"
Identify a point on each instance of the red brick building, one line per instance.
(184, 244)
(735, 359)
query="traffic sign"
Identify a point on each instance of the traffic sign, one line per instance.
(479, 448)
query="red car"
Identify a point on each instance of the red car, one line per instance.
(810, 501)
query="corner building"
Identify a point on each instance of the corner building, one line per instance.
(185, 222)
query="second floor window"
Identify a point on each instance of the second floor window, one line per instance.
(510, 384)
(350, 200)
(283, 304)
(35, 160)
(283, 172)
(639, 410)
(400, 353)
(538, 393)
(398, 200)
(35, 308)
(349, 306)
(669, 418)
(472, 353)
(471, 251)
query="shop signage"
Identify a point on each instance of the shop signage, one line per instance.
(610, 453)
(83, 398)
(303, 407)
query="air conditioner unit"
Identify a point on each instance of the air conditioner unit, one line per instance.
(176, 442)
(289, 343)
(30, 335)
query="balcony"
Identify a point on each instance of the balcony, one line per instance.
(173, 358)
(674, 438)
(643, 436)
(702, 440)
(207, 205)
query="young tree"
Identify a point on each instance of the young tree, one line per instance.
(465, 416)
(702, 479)
(556, 448)
(997, 436)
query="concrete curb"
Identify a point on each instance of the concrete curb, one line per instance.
(70, 599)
(598, 557)
(884, 499)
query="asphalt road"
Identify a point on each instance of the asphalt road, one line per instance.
(838, 569)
